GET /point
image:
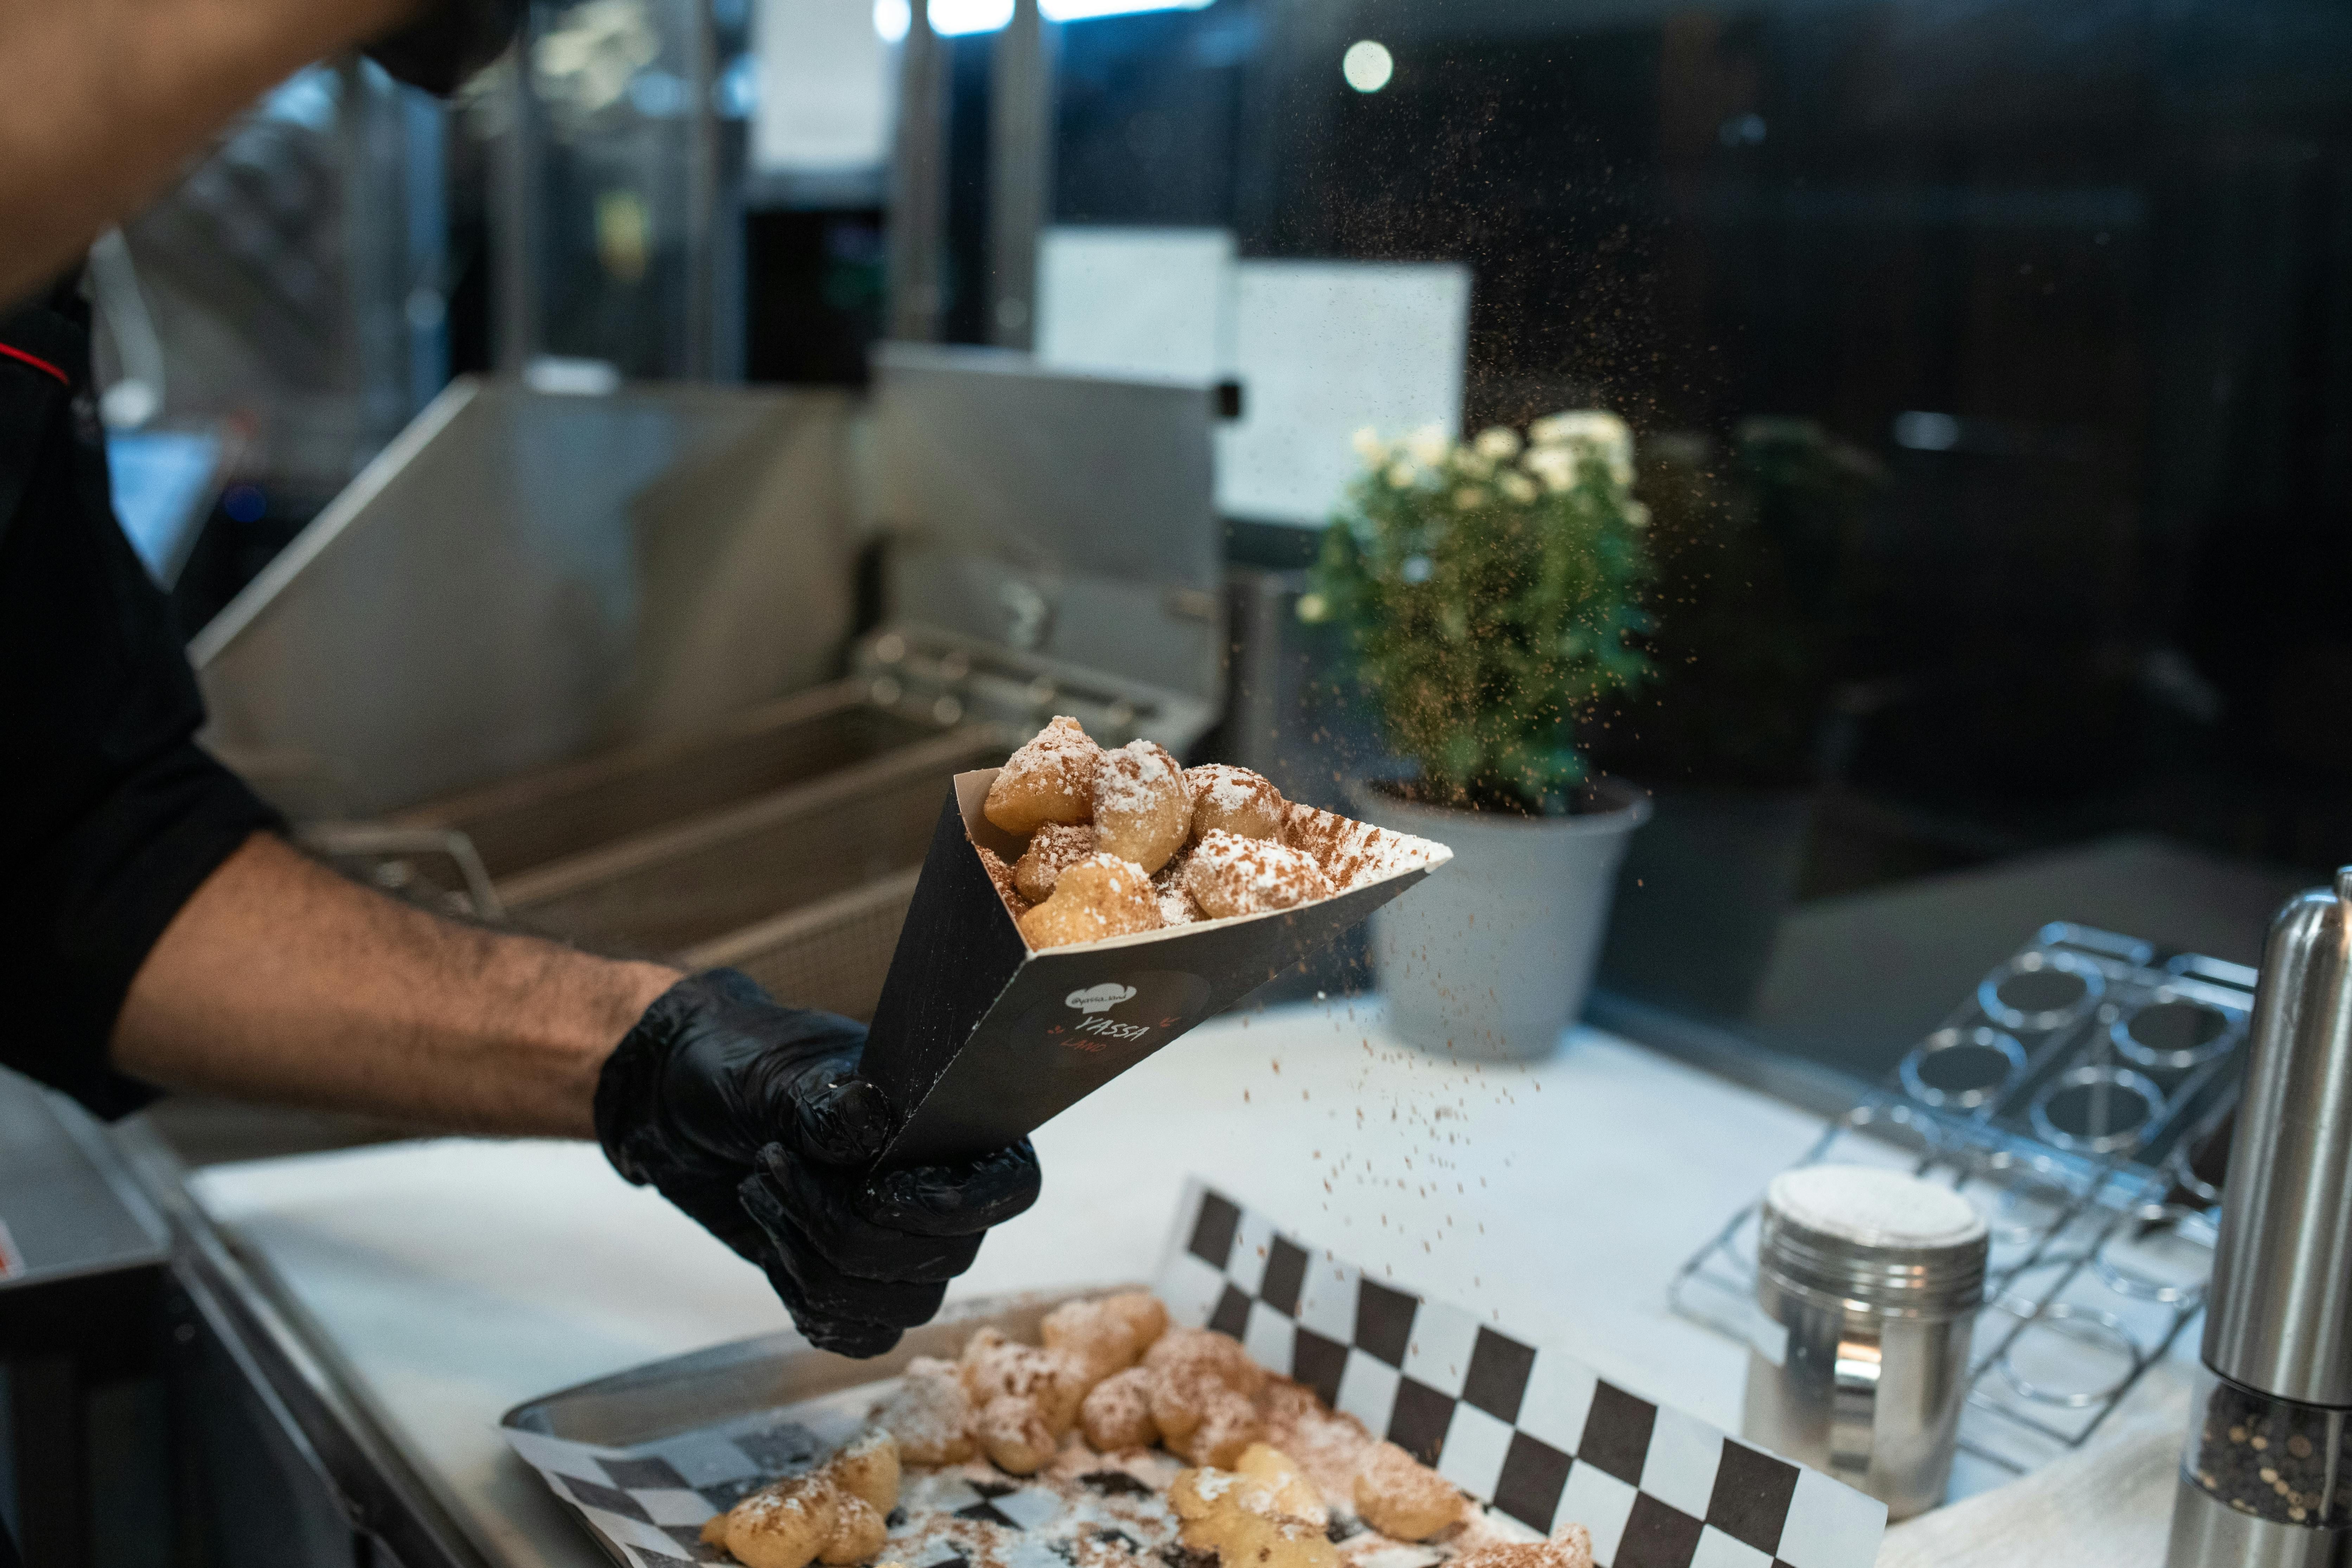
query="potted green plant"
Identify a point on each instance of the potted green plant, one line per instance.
(1491, 592)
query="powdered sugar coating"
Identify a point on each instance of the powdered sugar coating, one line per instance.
(1229, 875)
(1177, 905)
(1101, 896)
(929, 1413)
(1051, 779)
(1142, 810)
(1000, 877)
(1353, 853)
(1569, 1547)
(1234, 800)
(1053, 850)
(1117, 1412)
(1115, 1498)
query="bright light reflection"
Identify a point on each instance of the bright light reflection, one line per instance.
(1086, 10)
(892, 18)
(1367, 66)
(953, 18)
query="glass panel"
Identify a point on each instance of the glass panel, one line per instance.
(1989, 369)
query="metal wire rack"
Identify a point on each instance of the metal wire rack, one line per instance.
(2061, 1097)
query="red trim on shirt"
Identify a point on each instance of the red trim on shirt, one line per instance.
(36, 362)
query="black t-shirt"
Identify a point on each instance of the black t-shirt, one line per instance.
(110, 815)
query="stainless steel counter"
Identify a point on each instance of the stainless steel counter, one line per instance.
(439, 1282)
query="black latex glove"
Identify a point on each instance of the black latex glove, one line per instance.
(752, 1118)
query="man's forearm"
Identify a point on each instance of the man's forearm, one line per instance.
(108, 99)
(281, 980)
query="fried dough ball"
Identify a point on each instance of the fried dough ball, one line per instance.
(1570, 1546)
(1227, 1427)
(929, 1413)
(1105, 1335)
(1117, 1412)
(1177, 905)
(1100, 896)
(994, 1366)
(858, 1533)
(1198, 1373)
(1241, 1519)
(1205, 1351)
(1403, 1498)
(1014, 1433)
(1145, 1315)
(1051, 779)
(1235, 800)
(867, 1469)
(1053, 850)
(1328, 1443)
(1000, 876)
(1143, 813)
(1294, 1493)
(1229, 875)
(785, 1524)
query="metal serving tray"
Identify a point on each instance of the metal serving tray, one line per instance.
(677, 1398)
(2063, 1096)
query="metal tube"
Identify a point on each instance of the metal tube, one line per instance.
(1021, 171)
(701, 193)
(516, 169)
(2280, 1316)
(917, 232)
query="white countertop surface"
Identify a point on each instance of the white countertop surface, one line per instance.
(456, 1278)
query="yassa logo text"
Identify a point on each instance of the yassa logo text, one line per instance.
(1096, 1002)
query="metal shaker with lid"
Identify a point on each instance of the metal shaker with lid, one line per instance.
(1867, 1286)
(2267, 1477)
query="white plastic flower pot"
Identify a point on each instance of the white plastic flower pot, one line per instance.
(1493, 960)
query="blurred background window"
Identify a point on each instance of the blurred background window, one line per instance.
(1992, 370)
(1991, 365)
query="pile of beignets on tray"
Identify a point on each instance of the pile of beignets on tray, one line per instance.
(1223, 1463)
(1126, 839)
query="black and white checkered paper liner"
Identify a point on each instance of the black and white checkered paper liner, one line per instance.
(1527, 1428)
(648, 1502)
(1531, 1430)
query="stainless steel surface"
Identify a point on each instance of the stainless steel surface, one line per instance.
(518, 226)
(301, 1387)
(919, 170)
(536, 818)
(2093, 1273)
(785, 843)
(2282, 1314)
(944, 677)
(1066, 516)
(834, 954)
(701, 878)
(703, 351)
(1874, 1401)
(81, 1287)
(433, 866)
(64, 1208)
(2208, 1534)
(1869, 1381)
(1020, 169)
(522, 578)
(1942, 1278)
